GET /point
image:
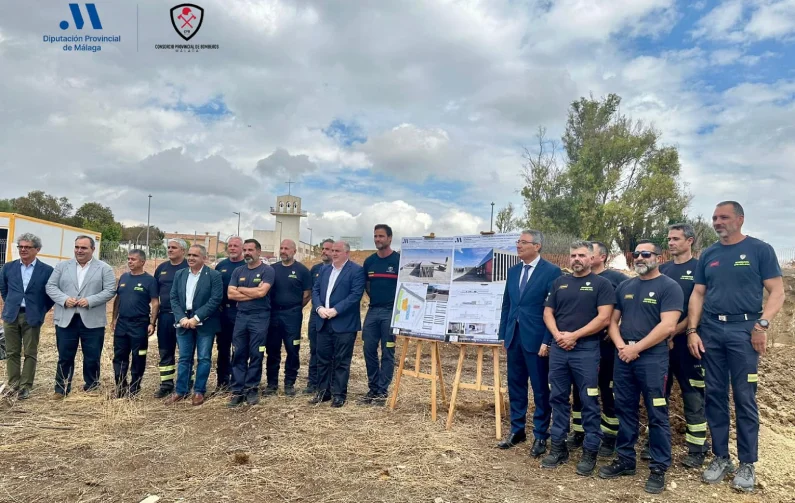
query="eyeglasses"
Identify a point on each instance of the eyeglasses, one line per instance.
(525, 242)
(644, 254)
(22, 247)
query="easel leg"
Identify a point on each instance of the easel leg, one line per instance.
(456, 382)
(498, 401)
(434, 351)
(396, 387)
(441, 375)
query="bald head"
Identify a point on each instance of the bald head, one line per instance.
(287, 250)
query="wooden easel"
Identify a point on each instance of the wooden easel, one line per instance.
(436, 370)
(499, 391)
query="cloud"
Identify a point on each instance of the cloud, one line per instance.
(281, 164)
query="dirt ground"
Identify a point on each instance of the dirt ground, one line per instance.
(91, 448)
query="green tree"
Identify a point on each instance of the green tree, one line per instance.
(7, 205)
(505, 221)
(38, 204)
(98, 218)
(137, 233)
(614, 184)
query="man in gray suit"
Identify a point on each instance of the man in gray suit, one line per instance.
(80, 288)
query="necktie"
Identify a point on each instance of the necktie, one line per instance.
(525, 276)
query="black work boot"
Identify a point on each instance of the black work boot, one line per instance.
(587, 463)
(617, 468)
(608, 447)
(575, 440)
(656, 482)
(694, 460)
(558, 455)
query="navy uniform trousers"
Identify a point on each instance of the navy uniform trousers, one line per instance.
(524, 365)
(285, 328)
(609, 422)
(248, 347)
(579, 368)
(729, 357)
(690, 375)
(645, 376)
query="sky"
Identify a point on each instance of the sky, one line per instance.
(409, 113)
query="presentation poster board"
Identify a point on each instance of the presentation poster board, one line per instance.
(451, 288)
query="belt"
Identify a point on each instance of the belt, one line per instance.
(734, 318)
(284, 308)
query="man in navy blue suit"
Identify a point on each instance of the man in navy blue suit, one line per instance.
(527, 340)
(25, 302)
(336, 298)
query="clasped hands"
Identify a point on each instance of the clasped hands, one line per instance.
(566, 340)
(72, 302)
(189, 323)
(326, 313)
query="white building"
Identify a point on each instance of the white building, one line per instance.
(288, 215)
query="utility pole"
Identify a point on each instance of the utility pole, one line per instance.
(148, 213)
(491, 224)
(238, 221)
(310, 241)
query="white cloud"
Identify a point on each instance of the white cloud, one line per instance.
(774, 19)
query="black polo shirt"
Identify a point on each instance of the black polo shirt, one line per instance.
(164, 275)
(252, 278)
(642, 301)
(684, 275)
(226, 267)
(291, 281)
(576, 302)
(135, 295)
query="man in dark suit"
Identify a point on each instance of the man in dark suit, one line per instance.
(336, 297)
(25, 303)
(527, 340)
(195, 298)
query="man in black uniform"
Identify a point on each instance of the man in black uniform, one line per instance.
(607, 354)
(223, 340)
(314, 273)
(166, 332)
(577, 311)
(727, 302)
(291, 291)
(249, 287)
(134, 319)
(684, 366)
(381, 274)
(647, 308)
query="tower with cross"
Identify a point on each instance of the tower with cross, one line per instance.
(288, 215)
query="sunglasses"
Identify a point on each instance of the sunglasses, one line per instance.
(644, 254)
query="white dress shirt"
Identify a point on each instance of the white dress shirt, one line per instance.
(27, 274)
(190, 289)
(81, 272)
(335, 273)
(534, 265)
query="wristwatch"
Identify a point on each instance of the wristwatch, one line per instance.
(763, 323)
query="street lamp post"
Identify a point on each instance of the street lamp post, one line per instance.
(310, 241)
(238, 221)
(491, 224)
(148, 213)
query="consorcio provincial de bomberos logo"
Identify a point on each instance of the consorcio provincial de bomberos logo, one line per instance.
(187, 19)
(77, 37)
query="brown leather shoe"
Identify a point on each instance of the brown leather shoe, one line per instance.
(172, 399)
(198, 399)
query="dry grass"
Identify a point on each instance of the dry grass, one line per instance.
(91, 448)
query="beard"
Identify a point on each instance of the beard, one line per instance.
(248, 258)
(644, 269)
(577, 267)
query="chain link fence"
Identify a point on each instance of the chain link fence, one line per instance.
(115, 253)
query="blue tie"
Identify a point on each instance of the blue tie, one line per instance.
(525, 276)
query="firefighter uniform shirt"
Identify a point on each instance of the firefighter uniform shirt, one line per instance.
(289, 285)
(576, 301)
(684, 275)
(135, 294)
(164, 274)
(253, 278)
(642, 301)
(734, 275)
(382, 274)
(226, 267)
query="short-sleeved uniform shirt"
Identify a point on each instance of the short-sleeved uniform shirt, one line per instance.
(252, 278)
(164, 274)
(733, 275)
(684, 275)
(289, 285)
(382, 274)
(226, 267)
(135, 294)
(642, 301)
(615, 277)
(576, 302)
